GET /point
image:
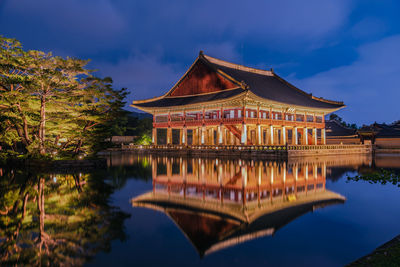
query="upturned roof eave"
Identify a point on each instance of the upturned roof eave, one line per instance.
(188, 106)
(296, 106)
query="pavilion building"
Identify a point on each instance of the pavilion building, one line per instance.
(221, 103)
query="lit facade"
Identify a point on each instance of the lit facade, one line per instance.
(221, 103)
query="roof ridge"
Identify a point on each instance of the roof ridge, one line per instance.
(237, 66)
(341, 125)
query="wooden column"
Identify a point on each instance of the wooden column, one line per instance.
(295, 141)
(323, 136)
(259, 134)
(315, 136)
(284, 135)
(244, 134)
(305, 136)
(271, 129)
(169, 135)
(184, 135)
(154, 136)
(202, 134)
(220, 136)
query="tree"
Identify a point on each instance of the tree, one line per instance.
(54, 106)
(335, 117)
(62, 219)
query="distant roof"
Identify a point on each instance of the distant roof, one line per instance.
(334, 128)
(263, 83)
(382, 129)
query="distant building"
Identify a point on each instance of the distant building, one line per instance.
(336, 133)
(382, 135)
(221, 103)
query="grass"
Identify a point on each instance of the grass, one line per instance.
(386, 255)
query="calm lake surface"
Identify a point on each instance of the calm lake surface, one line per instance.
(152, 211)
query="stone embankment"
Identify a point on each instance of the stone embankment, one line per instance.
(260, 152)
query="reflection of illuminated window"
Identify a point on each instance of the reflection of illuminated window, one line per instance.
(277, 192)
(161, 169)
(189, 167)
(175, 168)
(264, 194)
(161, 188)
(212, 194)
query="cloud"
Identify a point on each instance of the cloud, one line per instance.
(370, 86)
(145, 76)
(226, 50)
(181, 25)
(96, 28)
(368, 27)
(71, 25)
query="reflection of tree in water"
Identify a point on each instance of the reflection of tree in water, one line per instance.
(382, 176)
(136, 170)
(56, 219)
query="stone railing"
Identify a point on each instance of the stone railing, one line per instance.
(205, 147)
(323, 147)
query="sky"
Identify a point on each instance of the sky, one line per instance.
(344, 50)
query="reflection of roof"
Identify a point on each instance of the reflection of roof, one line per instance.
(334, 129)
(381, 130)
(264, 84)
(212, 226)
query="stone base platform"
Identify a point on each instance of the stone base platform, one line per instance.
(260, 152)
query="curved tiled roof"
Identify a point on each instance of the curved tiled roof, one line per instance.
(263, 83)
(382, 130)
(268, 85)
(334, 128)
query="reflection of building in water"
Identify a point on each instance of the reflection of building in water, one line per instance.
(220, 203)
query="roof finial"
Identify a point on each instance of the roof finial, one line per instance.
(201, 53)
(272, 70)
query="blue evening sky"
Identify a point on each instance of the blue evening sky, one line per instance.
(337, 49)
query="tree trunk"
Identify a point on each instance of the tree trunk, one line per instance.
(40, 204)
(25, 121)
(78, 146)
(20, 134)
(42, 125)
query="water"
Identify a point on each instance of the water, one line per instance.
(151, 211)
